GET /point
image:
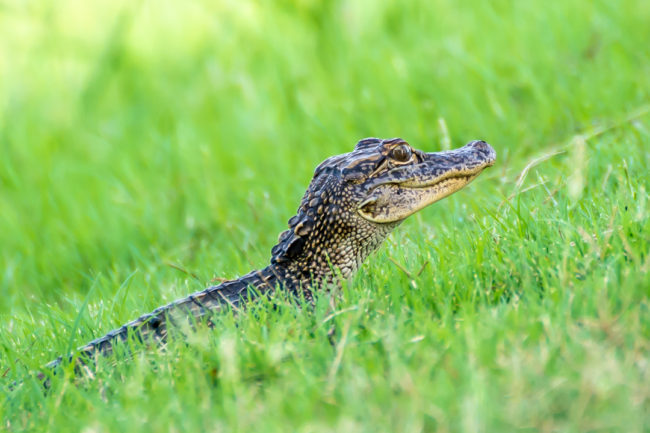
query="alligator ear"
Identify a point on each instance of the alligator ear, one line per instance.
(367, 142)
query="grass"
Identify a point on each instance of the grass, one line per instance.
(149, 148)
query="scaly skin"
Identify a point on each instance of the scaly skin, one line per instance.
(352, 203)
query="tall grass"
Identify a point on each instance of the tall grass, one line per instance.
(150, 148)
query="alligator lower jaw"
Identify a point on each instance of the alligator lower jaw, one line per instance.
(436, 191)
(391, 203)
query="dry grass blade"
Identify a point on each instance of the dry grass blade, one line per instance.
(522, 175)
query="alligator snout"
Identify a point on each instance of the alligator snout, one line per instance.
(484, 150)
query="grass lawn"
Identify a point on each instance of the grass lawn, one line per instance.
(149, 149)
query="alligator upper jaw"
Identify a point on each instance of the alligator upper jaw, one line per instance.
(408, 189)
(467, 162)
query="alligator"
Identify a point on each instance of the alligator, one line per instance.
(353, 202)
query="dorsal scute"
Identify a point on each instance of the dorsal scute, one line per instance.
(292, 241)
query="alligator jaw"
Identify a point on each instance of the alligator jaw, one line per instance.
(408, 189)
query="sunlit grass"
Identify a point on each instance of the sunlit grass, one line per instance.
(138, 140)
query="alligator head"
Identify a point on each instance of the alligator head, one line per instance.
(356, 199)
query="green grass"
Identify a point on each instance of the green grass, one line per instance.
(140, 137)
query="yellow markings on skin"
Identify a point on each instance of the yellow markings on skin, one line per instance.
(373, 158)
(380, 168)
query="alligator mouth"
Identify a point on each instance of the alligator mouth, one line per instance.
(436, 177)
(449, 178)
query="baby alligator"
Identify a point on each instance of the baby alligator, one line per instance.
(352, 203)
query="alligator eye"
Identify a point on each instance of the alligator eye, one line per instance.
(401, 153)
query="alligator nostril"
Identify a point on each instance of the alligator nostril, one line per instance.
(483, 150)
(480, 144)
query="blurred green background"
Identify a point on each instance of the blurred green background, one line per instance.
(141, 142)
